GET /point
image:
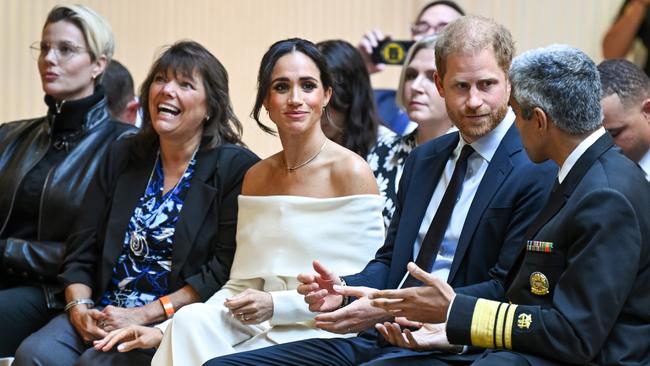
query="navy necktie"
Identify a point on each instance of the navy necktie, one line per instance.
(436, 232)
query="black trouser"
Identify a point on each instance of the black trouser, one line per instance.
(58, 343)
(23, 310)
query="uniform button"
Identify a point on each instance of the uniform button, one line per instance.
(24, 274)
(40, 278)
(10, 270)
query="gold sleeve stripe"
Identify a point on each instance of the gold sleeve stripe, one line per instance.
(498, 333)
(510, 318)
(483, 321)
(492, 323)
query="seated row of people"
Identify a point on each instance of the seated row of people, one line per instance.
(569, 290)
(466, 205)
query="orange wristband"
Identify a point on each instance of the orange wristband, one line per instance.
(167, 306)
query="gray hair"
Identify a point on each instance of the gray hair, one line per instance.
(562, 81)
(428, 42)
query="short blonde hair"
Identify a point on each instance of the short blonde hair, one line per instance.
(428, 42)
(96, 30)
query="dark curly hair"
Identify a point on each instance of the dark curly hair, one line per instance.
(625, 79)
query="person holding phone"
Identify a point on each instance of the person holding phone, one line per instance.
(432, 18)
(425, 109)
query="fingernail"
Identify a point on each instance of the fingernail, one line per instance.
(120, 347)
(337, 288)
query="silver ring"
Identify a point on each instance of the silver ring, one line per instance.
(243, 317)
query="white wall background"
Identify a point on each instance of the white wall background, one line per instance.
(238, 32)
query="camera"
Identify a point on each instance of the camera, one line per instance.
(391, 52)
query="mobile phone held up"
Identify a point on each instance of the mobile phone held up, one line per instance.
(391, 52)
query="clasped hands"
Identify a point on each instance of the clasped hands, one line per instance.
(92, 324)
(114, 324)
(249, 307)
(393, 312)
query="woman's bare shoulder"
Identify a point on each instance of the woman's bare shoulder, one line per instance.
(352, 173)
(257, 176)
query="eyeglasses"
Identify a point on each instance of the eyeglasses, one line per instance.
(63, 51)
(421, 27)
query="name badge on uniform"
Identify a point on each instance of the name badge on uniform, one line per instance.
(539, 246)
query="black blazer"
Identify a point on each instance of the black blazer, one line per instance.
(597, 309)
(509, 196)
(204, 239)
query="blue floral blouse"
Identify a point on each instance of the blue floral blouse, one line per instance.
(142, 270)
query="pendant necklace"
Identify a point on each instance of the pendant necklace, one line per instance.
(293, 168)
(138, 239)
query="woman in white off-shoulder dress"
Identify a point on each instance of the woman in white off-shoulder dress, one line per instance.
(312, 200)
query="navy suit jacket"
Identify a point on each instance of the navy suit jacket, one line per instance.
(597, 307)
(508, 198)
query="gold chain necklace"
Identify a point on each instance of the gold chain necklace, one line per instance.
(293, 168)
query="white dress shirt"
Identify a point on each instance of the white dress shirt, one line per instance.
(577, 153)
(644, 163)
(477, 164)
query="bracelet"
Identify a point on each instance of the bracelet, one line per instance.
(346, 299)
(76, 302)
(167, 306)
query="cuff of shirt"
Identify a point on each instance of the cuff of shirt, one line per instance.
(289, 307)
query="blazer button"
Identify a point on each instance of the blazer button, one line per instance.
(24, 274)
(40, 277)
(10, 270)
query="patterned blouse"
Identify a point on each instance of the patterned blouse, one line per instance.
(386, 159)
(142, 270)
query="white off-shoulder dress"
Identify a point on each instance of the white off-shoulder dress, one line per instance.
(278, 237)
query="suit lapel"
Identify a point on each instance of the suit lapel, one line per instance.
(423, 182)
(561, 194)
(197, 203)
(128, 190)
(499, 168)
